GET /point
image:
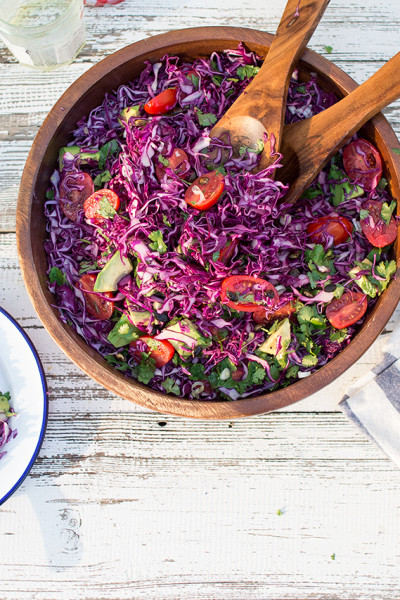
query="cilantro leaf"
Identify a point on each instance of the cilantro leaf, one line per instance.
(217, 79)
(338, 335)
(146, 369)
(106, 209)
(171, 387)
(102, 178)
(396, 150)
(50, 194)
(215, 255)
(164, 161)
(247, 71)
(309, 360)
(105, 151)
(205, 119)
(328, 49)
(166, 222)
(387, 211)
(117, 363)
(158, 244)
(86, 266)
(57, 276)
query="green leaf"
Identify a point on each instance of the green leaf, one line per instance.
(342, 192)
(338, 292)
(57, 276)
(312, 193)
(50, 194)
(328, 49)
(105, 151)
(364, 214)
(338, 335)
(123, 333)
(158, 244)
(106, 209)
(247, 71)
(171, 387)
(292, 372)
(196, 371)
(164, 161)
(166, 222)
(146, 369)
(102, 178)
(195, 79)
(215, 255)
(217, 79)
(383, 183)
(301, 89)
(396, 150)
(117, 363)
(205, 119)
(86, 266)
(309, 360)
(387, 211)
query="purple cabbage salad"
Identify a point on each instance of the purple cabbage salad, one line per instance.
(6, 432)
(143, 282)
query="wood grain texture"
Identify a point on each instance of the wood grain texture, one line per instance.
(124, 503)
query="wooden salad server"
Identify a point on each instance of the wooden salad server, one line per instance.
(308, 145)
(261, 107)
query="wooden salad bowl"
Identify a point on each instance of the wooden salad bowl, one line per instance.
(88, 92)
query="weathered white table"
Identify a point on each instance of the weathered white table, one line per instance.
(123, 503)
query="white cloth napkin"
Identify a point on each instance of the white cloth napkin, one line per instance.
(374, 406)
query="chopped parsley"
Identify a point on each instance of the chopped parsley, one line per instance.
(171, 387)
(205, 119)
(102, 178)
(57, 276)
(247, 71)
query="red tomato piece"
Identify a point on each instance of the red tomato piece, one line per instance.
(160, 350)
(205, 190)
(377, 232)
(333, 225)
(262, 317)
(362, 163)
(178, 162)
(228, 251)
(347, 310)
(162, 103)
(246, 293)
(91, 206)
(96, 305)
(75, 187)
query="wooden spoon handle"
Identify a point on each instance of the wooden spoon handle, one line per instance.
(308, 145)
(296, 27)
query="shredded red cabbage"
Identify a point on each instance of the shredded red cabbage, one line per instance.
(181, 278)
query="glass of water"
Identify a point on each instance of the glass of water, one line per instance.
(44, 34)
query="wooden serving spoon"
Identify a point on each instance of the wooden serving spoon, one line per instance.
(308, 145)
(261, 107)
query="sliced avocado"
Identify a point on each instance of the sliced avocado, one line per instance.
(123, 333)
(140, 319)
(186, 327)
(127, 113)
(362, 281)
(74, 150)
(270, 346)
(115, 269)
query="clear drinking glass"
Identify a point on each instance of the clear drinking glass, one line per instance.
(44, 34)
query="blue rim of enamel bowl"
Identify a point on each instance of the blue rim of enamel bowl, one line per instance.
(45, 405)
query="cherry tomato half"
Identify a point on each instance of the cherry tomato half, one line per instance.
(347, 310)
(75, 187)
(377, 232)
(333, 225)
(98, 307)
(162, 353)
(363, 164)
(260, 316)
(178, 162)
(205, 190)
(91, 206)
(246, 293)
(162, 103)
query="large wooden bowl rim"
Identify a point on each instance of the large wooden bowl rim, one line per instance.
(103, 76)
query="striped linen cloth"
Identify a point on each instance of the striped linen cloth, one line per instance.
(101, 2)
(375, 405)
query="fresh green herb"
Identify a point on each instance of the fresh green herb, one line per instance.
(158, 244)
(195, 79)
(292, 372)
(106, 209)
(116, 362)
(396, 150)
(215, 255)
(50, 194)
(123, 333)
(171, 387)
(214, 66)
(164, 161)
(219, 169)
(312, 193)
(339, 291)
(105, 151)
(333, 556)
(345, 190)
(205, 119)
(196, 371)
(146, 369)
(217, 79)
(382, 183)
(338, 335)
(279, 512)
(320, 264)
(166, 222)
(328, 49)
(221, 376)
(5, 400)
(247, 71)
(387, 211)
(363, 276)
(102, 178)
(364, 214)
(86, 266)
(309, 360)
(301, 89)
(57, 276)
